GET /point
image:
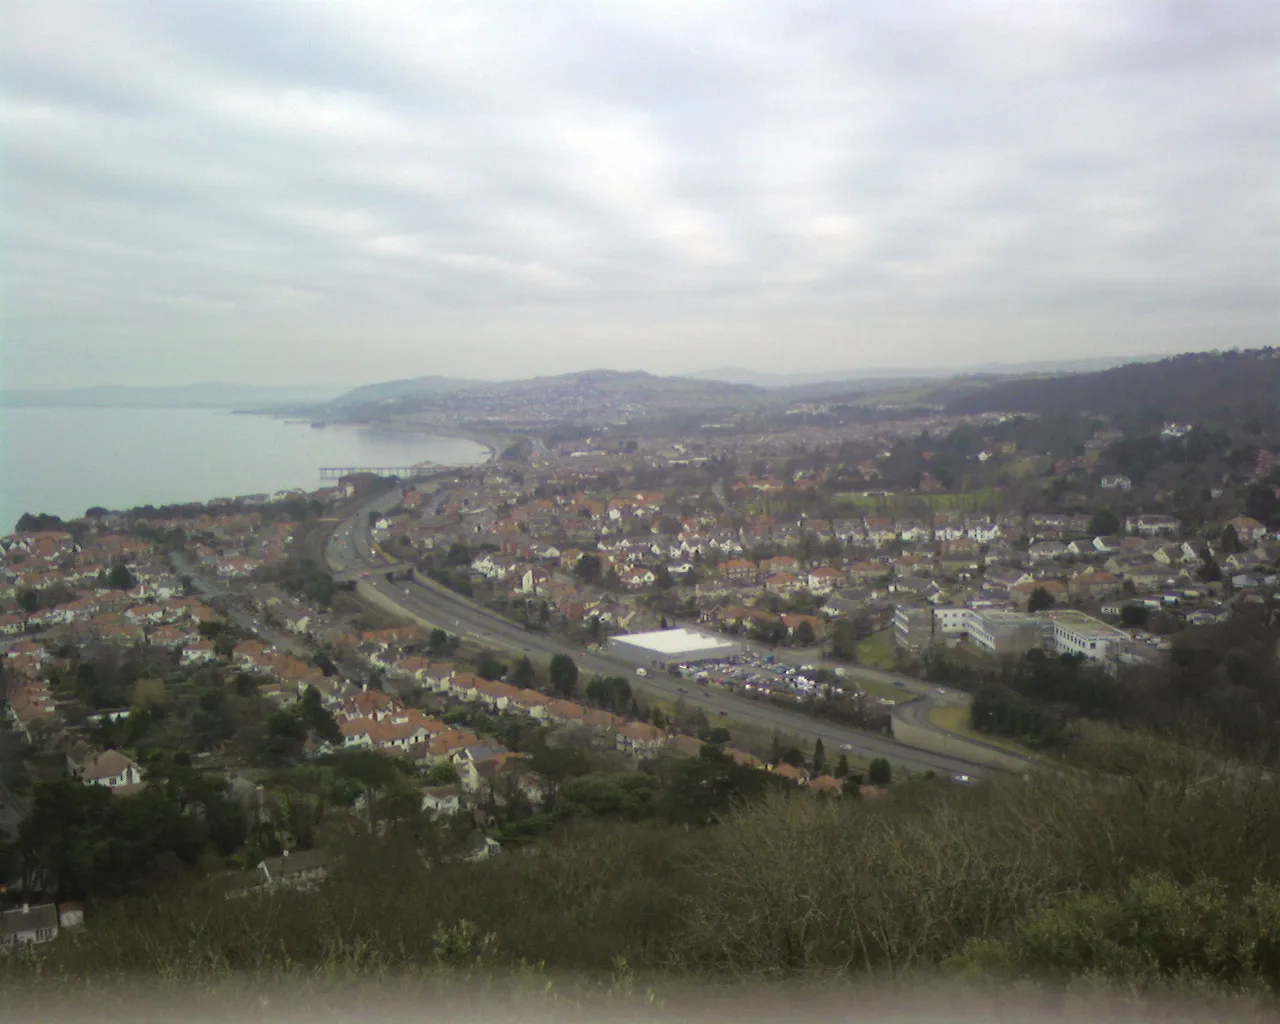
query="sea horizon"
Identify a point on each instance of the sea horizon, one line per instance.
(64, 460)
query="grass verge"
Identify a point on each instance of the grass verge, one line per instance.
(956, 720)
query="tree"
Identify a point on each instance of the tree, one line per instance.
(224, 645)
(442, 773)
(819, 757)
(1231, 541)
(564, 675)
(120, 578)
(1104, 523)
(842, 767)
(1041, 600)
(317, 718)
(588, 568)
(804, 635)
(523, 675)
(1134, 615)
(148, 692)
(880, 772)
(490, 667)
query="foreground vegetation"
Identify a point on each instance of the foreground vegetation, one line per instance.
(1147, 864)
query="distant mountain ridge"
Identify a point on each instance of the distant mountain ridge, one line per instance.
(897, 376)
(212, 395)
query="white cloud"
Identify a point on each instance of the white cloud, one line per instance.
(494, 189)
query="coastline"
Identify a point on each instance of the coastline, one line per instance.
(494, 444)
(71, 459)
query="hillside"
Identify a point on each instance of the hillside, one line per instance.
(1206, 387)
(414, 387)
(591, 395)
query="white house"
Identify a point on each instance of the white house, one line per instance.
(30, 925)
(110, 768)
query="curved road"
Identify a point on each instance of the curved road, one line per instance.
(351, 546)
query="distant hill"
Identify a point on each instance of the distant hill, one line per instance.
(587, 394)
(1206, 387)
(414, 387)
(889, 377)
(187, 396)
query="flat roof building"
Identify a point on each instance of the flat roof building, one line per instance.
(1077, 633)
(665, 647)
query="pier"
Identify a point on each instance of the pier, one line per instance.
(403, 472)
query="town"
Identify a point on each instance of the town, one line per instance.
(834, 568)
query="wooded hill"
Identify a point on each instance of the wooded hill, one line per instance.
(1219, 388)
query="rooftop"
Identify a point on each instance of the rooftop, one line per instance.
(676, 641)
(1086, 625)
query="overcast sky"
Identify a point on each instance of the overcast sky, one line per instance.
(297, 191)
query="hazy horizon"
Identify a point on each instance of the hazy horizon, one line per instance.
(482, 377)
(359, 192)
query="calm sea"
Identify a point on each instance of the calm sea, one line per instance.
(63, 461)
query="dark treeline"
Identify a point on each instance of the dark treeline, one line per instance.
(1043, 879)
(1215, 388)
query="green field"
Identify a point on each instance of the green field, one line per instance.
(887, 504)
(886, 690)
(877, 650)
(956, 720)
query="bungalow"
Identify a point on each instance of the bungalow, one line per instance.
(31, 925)
(637, 578)
(110, 768)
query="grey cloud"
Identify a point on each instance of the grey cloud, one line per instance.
(331, 190)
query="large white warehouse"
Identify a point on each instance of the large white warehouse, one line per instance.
(671, 647)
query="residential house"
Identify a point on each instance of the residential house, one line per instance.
(1093, 585)
(110, 768)
(29, 925)
(640, 738)
(1021, 593)
(442, 801)
(1248, 529)
(825, 580)
(783, 583)
(198, 652)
